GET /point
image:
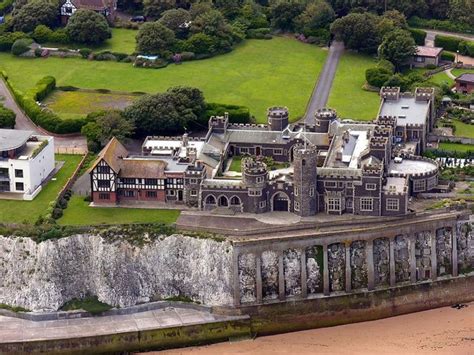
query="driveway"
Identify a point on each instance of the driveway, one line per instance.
(323, 86)
(432, 33)
(73, 144)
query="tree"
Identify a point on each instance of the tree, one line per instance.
(200, 43)
(7, 117)
(316, 16)
(34, 13)
(167, 113)
(199, 8)
(214, 24)
(173, 19)
(230, 8)
(103, 126)
(87, 26)
(283, 14)
(21, 46)
(155, 38)
(154, 8)
(42, 33)
(397, 47)
(358, 31)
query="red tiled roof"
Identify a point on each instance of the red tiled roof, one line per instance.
(96, 5)
(424, 51)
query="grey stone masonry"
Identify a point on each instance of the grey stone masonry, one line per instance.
(381, 261)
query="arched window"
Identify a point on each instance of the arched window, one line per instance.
(223, 201)
(303, 162)
(210, 200)
(235, 201)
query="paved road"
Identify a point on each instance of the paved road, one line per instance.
(432, 33)
(62, 144)
(322, 89)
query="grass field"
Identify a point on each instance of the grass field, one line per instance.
(347, 96)
(29, 211)
(457, 72)
(76, 104)
(78, 212)
(236, 164)
(257, 74)
(463, 129)
(456, 147)
(122, 41)
(441, 78)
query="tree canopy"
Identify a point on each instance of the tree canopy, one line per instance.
(397, 47)
(7, 117)
(87, 26)
(155, 38)
(34, 13)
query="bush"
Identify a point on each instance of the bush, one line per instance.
(448, 56)
(85, 52)
(258, 33)
(7, 117)
(447, 43)
(387, 65)
(44, 87)
(431, 66)
(418, 35)
(104, 56)
(237, 114)
(21, 46)
(186, 56)
(87, 26)
(60, 36)
(466, 48)
(444, 25)
(42, 34)
(377, 76)
(8, 38)
(5, 6)
(57, 213)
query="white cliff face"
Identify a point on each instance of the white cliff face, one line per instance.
(42, 277)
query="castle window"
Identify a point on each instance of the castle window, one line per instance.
(349, 203)
(103, 183)
(129, 193)
(340, 184)
(193, 193)
(419, 185)
(235, 201)
(193, 181)
(393, 204)
(297, 191)
(350, 185)
(170, 192)
(128, 181)
(210, 200)
(104, 196)
(223, 201)
(103, 169)
(333, 204)
(432, 182)
(259, 179)
(151, 194)
(303, 162)
(366, 204)
(277, 151)
(18, 173)
(311, 191)
(255, 192)
(151, 181)
(370, 187)
(330, 184)
(297, 206)
(243, 150)
(263, 204)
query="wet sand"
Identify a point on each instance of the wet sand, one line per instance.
(439, 331)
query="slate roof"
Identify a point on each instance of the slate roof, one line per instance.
(143, 168)
(112, 154)
(12, 139)
(466, 78)
(423, 51)
(96, 5)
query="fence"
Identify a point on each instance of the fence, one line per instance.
(70, 150)
(438, 138)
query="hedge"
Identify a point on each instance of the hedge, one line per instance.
(237, 114)
(40, 116)
(448, 56)
(444, 25)
(466, 48)
(418, 35)
(447, 43)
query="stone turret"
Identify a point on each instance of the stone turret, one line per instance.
(278, 118)
(218, 124)
(254, 173)
(389, 93)
(304, 179)
(323, 118)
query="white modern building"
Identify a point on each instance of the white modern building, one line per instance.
(26, 161)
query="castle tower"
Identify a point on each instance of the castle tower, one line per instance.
(218, 124)
(304, 179)
(255, 178)
(278, 118)
(323, 118)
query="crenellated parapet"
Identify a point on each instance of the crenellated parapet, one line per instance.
(390, 93)
(278, 118)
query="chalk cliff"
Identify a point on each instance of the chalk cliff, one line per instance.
(42, 277)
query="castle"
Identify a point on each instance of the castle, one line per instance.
(327, 166)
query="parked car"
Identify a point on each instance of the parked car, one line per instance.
(138, 19)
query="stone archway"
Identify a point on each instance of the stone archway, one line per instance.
(280, 202)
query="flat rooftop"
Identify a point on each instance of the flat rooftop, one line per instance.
(167, 146)
(12, 138)
(395, 184)
(407, 110)
(410, 167)
(348, 147)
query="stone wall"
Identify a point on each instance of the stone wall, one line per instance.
(44, 276)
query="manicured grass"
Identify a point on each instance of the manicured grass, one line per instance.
(463, 129)
(236, 164)
(457, 72)
(29, 211)
(347, 96)
(257, 74)
(441, 78)
(78, 212)
(76, 104)
(122, 41)
(456, 147)
(88, 304)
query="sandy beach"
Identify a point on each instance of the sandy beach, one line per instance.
(439, 331)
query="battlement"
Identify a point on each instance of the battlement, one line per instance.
(301, 151)
(251, 166)
(390, 93)
(424, 94)
(378, 142)
(372, 170)
(278, 112)
(219, 123)
(382, 131)
(386, 121)
(171, 138)
(248, 126)
(325, 113)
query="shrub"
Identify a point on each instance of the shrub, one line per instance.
(5, 6)
(8, 38)
(42, 34)
(62, 203)
(418, 35)
(377, 76)
(104, 56)
(448, 56)
(44, 87)
(85, 52)
(21, 46)
(387, 65)
(445, 25)
(186, 56)
(237, 114)
(7, 117)
(59, 36)
(119, 56)
(258, 33)
(448, 43)
(87, 26)
(466, 48)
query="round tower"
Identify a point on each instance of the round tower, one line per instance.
(254, 173)
(278, 118)
(323, 118)
(304, 179)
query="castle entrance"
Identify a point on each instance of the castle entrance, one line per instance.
(280, 202)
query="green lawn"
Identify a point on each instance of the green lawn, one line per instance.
(257, 74)
(122, 41)
(29, 211)
(78, 212)
(441, 78)
(457, 72)
(456, 147)
(347, 96)
(236, 164)
(76, 104)
(463, 129)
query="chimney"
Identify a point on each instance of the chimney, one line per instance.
(185, 140)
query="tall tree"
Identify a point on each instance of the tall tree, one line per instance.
(397, 47)
(155, 38)
(87, 26)
(34, 13)
(316, 15)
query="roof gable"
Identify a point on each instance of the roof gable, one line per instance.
(112, 154)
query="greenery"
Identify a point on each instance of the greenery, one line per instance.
(5, 6)
(447, 42)
(7, 117)
(88, 26)
(398, 47)
(34, 13)
(155, 38)
(240, 77)
(456, 147)
(79, 213)
(105, 125)
(236, 164)
(13, 308)
(14, 211)
(237, 114)
(89, 304)
(347, 95)
(21, 46)
(443, 25)
(418, 35)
